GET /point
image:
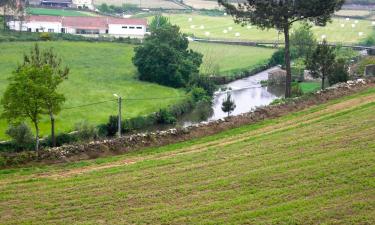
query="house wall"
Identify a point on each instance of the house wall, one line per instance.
(126, 29)
(41, 26)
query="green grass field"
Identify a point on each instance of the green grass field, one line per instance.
(57, 12)
(98, 70)
(230, 59)
(308, 87)
(200, 25)
(302, 168)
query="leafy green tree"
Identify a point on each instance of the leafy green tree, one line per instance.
(321, 62)
(282, 14)
(25, 97)
(53, 100)
(165, 58)
(228, 105)
(158, 21)
(339, 72)
(303, 41)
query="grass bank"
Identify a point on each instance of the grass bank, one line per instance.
(302, 168)
(98, 70)
(57, 12)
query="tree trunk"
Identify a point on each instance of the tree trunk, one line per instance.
(4, 18)
(53, 130)
(36, 137)
(323, 80)
(288, 82)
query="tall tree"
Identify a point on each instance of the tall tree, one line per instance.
(228, 105)
(281, 14)
(24, 96)
(52, 100)
(322, 62)
(165, 58)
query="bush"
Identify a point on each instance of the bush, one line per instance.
(203, 82)
(112, 126)
(61, 139)
(45, 37)
(86, 131)
(363, 63)
(278, 58)
(296, 90)
(339, 74)
(199, 94)
(22, 136)
(165, 117)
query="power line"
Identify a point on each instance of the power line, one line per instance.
(91, 104)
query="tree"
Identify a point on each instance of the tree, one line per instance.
(165, 58)
(340, 72)
(157, 22)
(228, 104)
(321, 62)
(303, 41)
(24, 96)
(12, 4)
(53, 100)
(282, 14)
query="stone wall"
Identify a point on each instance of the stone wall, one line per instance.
(153, 139)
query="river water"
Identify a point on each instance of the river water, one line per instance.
(247, 94)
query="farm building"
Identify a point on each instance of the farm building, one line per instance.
(120, 27)
(56, 3)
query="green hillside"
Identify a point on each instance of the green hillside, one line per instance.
(312, 167)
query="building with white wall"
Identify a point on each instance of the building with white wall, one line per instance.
(119, 27)
(84, 4)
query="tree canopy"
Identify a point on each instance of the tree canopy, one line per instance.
(166, 59)
(281, 14)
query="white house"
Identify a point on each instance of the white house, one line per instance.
(119, 27)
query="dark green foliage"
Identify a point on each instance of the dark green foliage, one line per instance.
(157, 22)
(203, 82)
(112, 9)
(228, 104)
(281, 15)
(340, 72)
(112, 126)
(369, 40)
(302, 42)
(199, 94)
(278, 58)
(296, 90)
(22, 137)
(165, 58)
(321, 62)
(86, 131)
(165, 117)
(61, 139)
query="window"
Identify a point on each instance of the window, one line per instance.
(139, 27)
(131, 27)
(51, 30)
(63, 30)
(125, 27)
(106, 31)
(37, 30)
(29, 29)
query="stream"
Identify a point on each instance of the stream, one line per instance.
(247, 94)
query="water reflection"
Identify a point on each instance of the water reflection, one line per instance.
(247, 94)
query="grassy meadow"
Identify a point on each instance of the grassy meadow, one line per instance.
(230, 59)
(215, 27)
(57, 12)
(98, 70)
(302, 168)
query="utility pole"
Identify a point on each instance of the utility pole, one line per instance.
(119, 114)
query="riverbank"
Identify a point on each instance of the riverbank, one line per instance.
(135, 142)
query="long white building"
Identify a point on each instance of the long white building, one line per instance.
(119, 27)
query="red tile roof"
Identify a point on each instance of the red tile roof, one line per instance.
(33, 18)
(86, 22)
